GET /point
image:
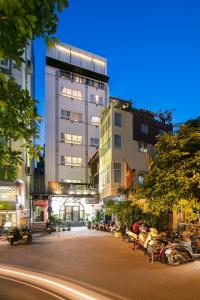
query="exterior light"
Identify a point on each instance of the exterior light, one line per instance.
(62, 48)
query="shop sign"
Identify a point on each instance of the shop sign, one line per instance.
(92, 201)
(63, 188)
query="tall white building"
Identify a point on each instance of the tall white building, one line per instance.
(76, 93)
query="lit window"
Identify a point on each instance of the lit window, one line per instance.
(142, 147)
(71, 93)
(95, 120)
(117, 172)
(71, 161)
(76, 117)
(96, 99)
(140, 179)
(118, 119)
(145, 129)
(71, 138)
(71, 180)
(117, 141)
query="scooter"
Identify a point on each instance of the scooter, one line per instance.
(130, 236)
(50, 228)
(178, 253)
(69, 227)
(16, 235)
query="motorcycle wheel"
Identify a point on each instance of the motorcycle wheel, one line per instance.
(11, 242)
(173, 259)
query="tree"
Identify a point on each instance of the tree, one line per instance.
(20, 22)
(174, 179)
(126, 211)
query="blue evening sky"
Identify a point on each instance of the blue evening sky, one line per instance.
(152, 47)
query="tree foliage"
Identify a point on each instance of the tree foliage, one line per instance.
(126, 211)
(174, 178)
(20, 22)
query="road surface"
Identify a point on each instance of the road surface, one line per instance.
(15, 290)
(99, 261)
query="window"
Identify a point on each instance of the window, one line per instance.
(117, 172)
(71, 180)
(77, 79)
(92, 99)
(71, 138)
(118, 119)
(145, 129)
(101, 86)
(95, 120)
(65, 114)
(71, 93)
(94, 142)
(71, 161)
(65, 74)
(90, 82)
(142, 147)
(117, 141)
(73, 116)
(76, 117)
(100, 101)
(140, 179)
(4, 63)
(96, 99)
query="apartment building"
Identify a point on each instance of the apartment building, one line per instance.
(126, 148)
(14, 195)
(76, 94)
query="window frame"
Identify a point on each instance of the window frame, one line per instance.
(115, 119)
(143, 129)
(115, 169)
(116, 146)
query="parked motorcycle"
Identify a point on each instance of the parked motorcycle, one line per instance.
(69, 227)
(130, 236)
(50, 228)
(15, 235)
(178, 253)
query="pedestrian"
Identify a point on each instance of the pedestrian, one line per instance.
(136, 227)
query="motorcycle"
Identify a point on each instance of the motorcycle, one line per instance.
(50, 228)
(178, 253)
(130, 236)
(69, 227)
(16, 235)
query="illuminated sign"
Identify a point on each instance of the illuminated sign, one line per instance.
(8, 194)
(63, 188)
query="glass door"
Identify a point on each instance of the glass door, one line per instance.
(75, 213)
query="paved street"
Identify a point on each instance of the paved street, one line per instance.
(13, 290)
(101, 261)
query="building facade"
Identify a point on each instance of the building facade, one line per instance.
(76, 94)
(18, 191)
(126, 148)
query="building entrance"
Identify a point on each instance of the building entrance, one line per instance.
(72, 213)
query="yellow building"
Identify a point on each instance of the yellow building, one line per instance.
(127, 136)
